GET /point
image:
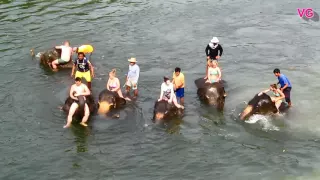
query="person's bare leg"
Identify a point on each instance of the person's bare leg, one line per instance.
(135, 92)
(121, 95)
(278, 103)
(72, 109)
(54, 64)
(89, 85)
(86, 115)
(128, 90)
(182, 100)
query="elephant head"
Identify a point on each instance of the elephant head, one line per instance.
(109, 100)
(211, 93)
(163, 110)
(259, 105)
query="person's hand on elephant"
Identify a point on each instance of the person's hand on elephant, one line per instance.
(159, 100)
(170, 101)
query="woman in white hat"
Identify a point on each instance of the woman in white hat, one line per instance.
(213, 51)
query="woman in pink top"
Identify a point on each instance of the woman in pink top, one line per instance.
(113, 84)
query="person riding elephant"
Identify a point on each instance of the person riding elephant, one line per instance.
(109, 100)
(80, 103)
(211, 93)
(164, 104)
(113, 84)
(66, 54)
(46, 58)
(263, 104)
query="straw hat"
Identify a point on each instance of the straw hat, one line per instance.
(132, 60)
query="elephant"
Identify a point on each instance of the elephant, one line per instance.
(80, 110)
(211, 93)
(109, 100)
(164, 111)
(50, 55)
(262, 105)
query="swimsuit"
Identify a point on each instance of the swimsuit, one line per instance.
(112, 85)
(214, 72)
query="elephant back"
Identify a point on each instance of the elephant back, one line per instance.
(262, 104)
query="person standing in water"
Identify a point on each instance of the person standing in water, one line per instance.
(84, 67)
(178, 82)
(132, 77)
(213, 51)
(78, 89)
(66, 53)
(279, 96)
(285, 85)
(167, 93)
(113, 84)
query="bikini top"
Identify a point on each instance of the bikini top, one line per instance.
(214, 72)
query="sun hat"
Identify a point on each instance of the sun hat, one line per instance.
(214, 40)
(132, 60)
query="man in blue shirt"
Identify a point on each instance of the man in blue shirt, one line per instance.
(285, 85)
(133, 77)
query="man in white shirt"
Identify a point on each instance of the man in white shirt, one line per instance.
(66, 52)
(133, 77)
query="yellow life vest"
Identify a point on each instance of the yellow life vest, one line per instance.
(85, 49)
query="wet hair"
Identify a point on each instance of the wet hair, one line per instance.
(81, 53)
(165, 78)
(177, 69)
(77, 79)
(276, 71)
(274, 86)
(113, 71)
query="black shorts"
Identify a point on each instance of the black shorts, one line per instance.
(286, 93)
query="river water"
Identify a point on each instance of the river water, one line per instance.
(257, 36)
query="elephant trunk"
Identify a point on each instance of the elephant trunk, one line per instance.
(158, 117)
(82, 103)
(246, 112)
(104, 107)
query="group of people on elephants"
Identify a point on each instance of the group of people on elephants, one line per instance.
(171, 90)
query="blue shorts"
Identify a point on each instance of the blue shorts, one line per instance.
(180, 92)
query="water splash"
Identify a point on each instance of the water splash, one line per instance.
(264, 121)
